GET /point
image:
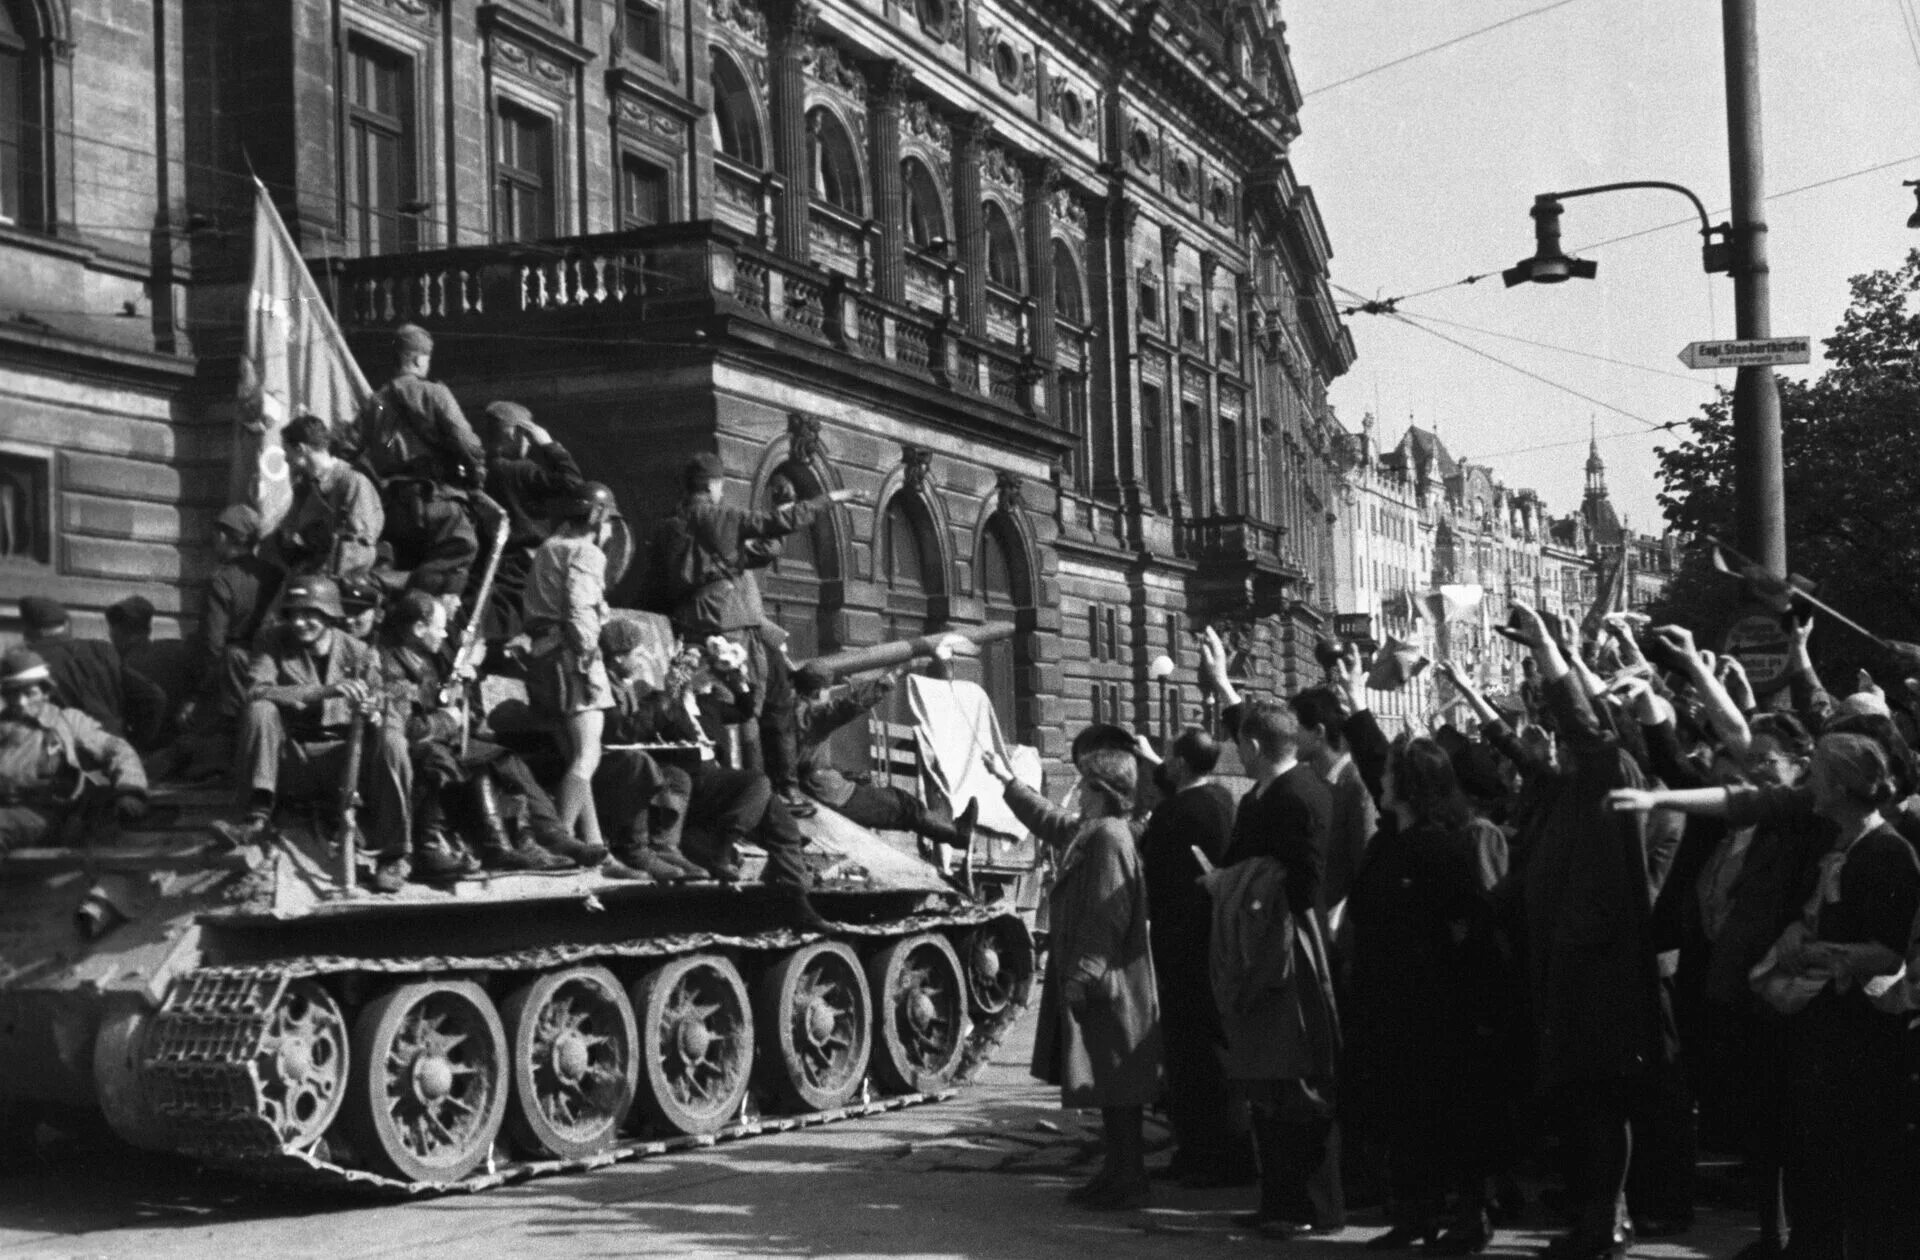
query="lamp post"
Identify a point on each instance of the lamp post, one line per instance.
(1759, 481)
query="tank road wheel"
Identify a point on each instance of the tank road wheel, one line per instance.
(817, 1016)
(920, 1013)
(696, 1042)
(302, 1064)
(999, 966)
(574, 1068)
(117, 1084)
(429, 1083)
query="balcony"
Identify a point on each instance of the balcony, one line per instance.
(1241, 565)
(680, 283)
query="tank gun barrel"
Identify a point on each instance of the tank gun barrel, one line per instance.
(901, 651)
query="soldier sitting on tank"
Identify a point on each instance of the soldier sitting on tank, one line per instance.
(701, 697)
(57, 765)
(306, 683)
(823, 709)
(362, 600)
(336, 517)
(703, 557)
(166, 663)
(221, 648)
(461, 783)
(532, 478)
(644, 798)
(89, 675)
(416, 443)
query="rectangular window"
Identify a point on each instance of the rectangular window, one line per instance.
(1192, 471)
(524, 187)
(646, 30)
(644, 191)
(1094, 652)
(380, 159)
(1114, 712)
(1113, 634)
(1074, 416)
(1189, 325)
(1175, 636)
(1229, 467)
(14, 117)
(1229, 344)
(1149, 301)
(1153, 445)
(1099, 705)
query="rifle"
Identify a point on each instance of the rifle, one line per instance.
(350, 806)
(463, 671)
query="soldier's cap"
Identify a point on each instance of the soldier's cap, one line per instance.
(239, 520)
(503, 417)
(702, 468)
(410, 339)
(135, 612)
(359, 594)
(620, 636)
(23, 667)
(40, 613)
(313, 591)
(811, 679)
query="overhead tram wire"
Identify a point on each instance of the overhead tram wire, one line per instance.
(1414, 56)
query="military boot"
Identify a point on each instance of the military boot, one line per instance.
(499, 851)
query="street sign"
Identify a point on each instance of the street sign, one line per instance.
(1761, 352)
(1760, 645)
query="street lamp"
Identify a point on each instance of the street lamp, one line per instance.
(1549, 265)
(1913, 220)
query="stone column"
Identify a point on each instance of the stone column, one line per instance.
(789, 22)
(886, 93)
(971, 132)
(1041, 175)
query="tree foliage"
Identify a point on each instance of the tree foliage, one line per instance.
(1851, 440)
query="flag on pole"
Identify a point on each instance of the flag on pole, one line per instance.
(1610, 595)
(296, 361)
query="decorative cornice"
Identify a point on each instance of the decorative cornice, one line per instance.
(534, 39)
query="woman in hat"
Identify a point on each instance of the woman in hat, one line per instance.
(1099, 1031)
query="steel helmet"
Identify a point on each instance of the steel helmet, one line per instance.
(594, 504)
(314, 591)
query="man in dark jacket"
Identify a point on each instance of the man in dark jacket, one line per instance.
(89, 675)
(221, 648)
(1196, 814)
(527, 474)
(166, 663)
(822, 709)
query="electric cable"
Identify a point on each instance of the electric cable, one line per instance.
(1414, 56)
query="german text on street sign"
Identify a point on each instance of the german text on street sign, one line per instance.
(1758, 352)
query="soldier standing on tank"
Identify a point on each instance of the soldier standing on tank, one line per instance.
(417, 444)
(529, 475)
(704, 556)
(566, 608)
(335, 522)
(89, 675)
(56, 764)
(821, 710)
(306, 683)
(725, 805)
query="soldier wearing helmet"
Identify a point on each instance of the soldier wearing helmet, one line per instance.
(55, 762)
(306, 681)
(566, 608)
(417, 444)
(529, 475)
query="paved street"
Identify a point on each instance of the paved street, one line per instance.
(979, 1176)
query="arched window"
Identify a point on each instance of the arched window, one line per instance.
(906, 557)
(736, 119)
(1069, 299)
(799, 551)
(23, 124)
(833, 167)
(926, 212)
(1003, 250)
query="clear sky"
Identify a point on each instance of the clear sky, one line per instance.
(1424, 173)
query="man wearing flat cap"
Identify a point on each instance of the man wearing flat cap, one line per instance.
(56, 764)
(89, 675)
(530, 476)
(419, 448)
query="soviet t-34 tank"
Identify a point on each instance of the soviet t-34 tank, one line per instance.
(249, 1011)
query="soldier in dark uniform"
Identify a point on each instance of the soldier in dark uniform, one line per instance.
(166, 663)
(360, 598)
(306, 682)
(336, 518)
(823, 709)
(705, 553)
(531, 477)
(419, 448)
(222, 647)
(89, 675)
(56, 762)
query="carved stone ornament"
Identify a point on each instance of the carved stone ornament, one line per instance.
(529, 64)
(419, 10)
(742, 17)
(1141, 149)
(917, 465)
(942, 20)
(804, 444)
(921, 122)
(1071, 107)
(997, 167)
(1009, 486)
(1068, 209)
(1011, 65)
(635, 114)
(824, 64)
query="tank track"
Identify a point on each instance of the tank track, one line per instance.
(201, 1076)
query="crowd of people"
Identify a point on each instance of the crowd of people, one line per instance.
(1581, 930)
(346, 641)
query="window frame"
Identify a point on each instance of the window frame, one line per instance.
(402, 127)
(734, 108)
(547, 183)
(631, 157)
